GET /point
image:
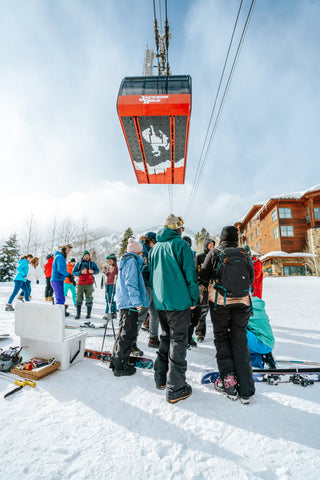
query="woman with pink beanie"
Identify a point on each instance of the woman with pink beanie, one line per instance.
(131, 295)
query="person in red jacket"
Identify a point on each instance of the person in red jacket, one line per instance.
(258, 273)
(85, 271)
(48, 293)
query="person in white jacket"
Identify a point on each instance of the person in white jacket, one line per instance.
(32, 276)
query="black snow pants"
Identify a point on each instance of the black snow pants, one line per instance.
(126, 337)
(201, 327)
(230, 339)
(170, 366)
(48, 290)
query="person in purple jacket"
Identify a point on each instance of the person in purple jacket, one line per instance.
(60, 273)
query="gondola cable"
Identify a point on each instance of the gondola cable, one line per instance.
(200, 168)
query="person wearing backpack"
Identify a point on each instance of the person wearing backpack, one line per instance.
(230, 309)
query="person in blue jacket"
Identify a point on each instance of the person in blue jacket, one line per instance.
(131, 295)
(60, 273)
(20, 281)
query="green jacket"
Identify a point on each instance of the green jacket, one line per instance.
(172, 272)
(259, 323)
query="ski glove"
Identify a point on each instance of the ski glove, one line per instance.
(71, 278)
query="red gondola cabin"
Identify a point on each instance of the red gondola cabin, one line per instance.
(155, 115)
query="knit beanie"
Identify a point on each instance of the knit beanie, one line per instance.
(134, 246)
(173, 222)
(152, 236)
(229, 234)
(187, 239)
(85, 253)
(112, 256)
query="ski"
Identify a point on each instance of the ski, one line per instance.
(301, 376)
(140, 362)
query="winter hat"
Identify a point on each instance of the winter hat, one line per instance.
(134, 246)
(73, 260)
(152, 236)
(187, 239)
(112, 256)
(49, 256)
(174, 222)
(229, 234)
(66, 245)
(85, 253)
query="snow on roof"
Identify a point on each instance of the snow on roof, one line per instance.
(298, 195)
(285, 254)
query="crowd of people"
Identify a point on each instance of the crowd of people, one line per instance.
(161, 283)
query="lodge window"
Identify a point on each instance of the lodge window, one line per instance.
(285, 213)
(251, 237)
(258, 246)
(250, 224)
(317, 213)
(275, 233)
(287, 231)
(274, 215)
(257, 231)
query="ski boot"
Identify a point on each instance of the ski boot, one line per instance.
(78, 307)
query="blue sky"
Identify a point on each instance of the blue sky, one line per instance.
(62, 149)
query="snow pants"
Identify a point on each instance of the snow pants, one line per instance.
(58, 291)
(126, 337)
(86, 290)
(201, 328)
(170, 366)
(154, 315)
(72, 288)
(27, 287)
(48, 290)
(17, 285)
(230, 339)
(109, 296)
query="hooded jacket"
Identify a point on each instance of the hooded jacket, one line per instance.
(59, 268)
(173, 273)
(201, 256)
(22, 270)
(259, 323)
(130, 289)
(48, 267)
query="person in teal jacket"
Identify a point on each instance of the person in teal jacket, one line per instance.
(20, 281)
(260, 336)
(175, 293)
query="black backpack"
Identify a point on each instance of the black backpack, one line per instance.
(233, 273)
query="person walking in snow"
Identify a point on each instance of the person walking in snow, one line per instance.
(131, 295)
(230, 316)
(110, 274)
(48, 292)
(175, 293)
(150, 314)
(85, 271)
(68, 285)
(32, 276)
(60, 273)
(20, 281)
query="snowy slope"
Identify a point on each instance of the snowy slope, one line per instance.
(84, 423)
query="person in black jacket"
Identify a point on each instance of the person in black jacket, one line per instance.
(230, 318)
(208, 244)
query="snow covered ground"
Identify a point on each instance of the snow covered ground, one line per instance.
(84, 423)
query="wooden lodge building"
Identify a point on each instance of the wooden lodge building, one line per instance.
(286, 232)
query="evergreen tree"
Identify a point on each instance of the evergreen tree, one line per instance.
(199, 237)
(123, 245)
(9, 256)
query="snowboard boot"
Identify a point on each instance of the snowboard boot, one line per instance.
(9, 308)
(89, 309)
(245, 400)
(227, 386)
(78, 312)
(135, 351)
(154, 342)
(66, 314)
(123, 370)
(145, 325)
(181, 394)
(268, 359)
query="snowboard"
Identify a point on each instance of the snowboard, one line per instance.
(299, 376)
(4, 335)
(140, 362)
